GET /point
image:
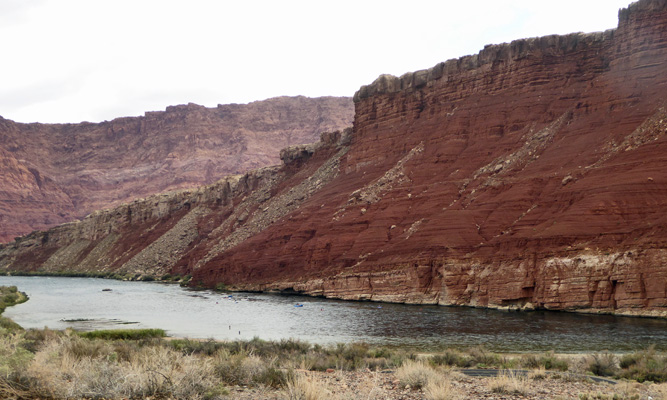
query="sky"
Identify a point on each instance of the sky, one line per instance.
(67, 61)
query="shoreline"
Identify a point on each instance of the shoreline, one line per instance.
(420, 328)
(290, 369)
(185, 280)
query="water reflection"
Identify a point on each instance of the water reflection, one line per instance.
(88, 304)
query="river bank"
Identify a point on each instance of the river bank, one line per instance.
(144, 364)
(98, 304)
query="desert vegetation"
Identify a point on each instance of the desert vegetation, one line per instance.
(48, 364)
(144, 364)
(9, 296)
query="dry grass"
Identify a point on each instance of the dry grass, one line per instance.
(415, 374)
(508, 382)
(71, 368)
(441, 389)
(627, 390)
(59, 365)
(661, 391)
(537, 374)
(301, 387)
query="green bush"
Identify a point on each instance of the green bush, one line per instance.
(272, 377)
(547, 361)
(187, 346)
(10, 296)
(644, 366)
(13, 357)
(124, 334)
(8, 325)
(186, 280)
(452, 358)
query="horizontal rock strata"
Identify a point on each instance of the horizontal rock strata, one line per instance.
(531, 175)
(54, 173)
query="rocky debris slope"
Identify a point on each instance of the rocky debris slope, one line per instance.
(176, 231)
(54, 173)
(531, 175)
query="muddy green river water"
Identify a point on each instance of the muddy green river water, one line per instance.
(87, 304)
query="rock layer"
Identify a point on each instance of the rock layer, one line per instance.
(53, 173)
(531, 175)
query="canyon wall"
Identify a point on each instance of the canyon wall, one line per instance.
(531, 175)
(55, 173)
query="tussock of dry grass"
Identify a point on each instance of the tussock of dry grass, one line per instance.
(508, 382)
(537, 374)
(301, 387)
(441, 389)
(415, 374)
(71, 367)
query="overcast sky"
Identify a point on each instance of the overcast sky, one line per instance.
(95, 60)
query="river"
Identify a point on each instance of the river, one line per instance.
(88, 304)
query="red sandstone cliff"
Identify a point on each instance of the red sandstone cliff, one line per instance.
(50, 174)
(530, 175)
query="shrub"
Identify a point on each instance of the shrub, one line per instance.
(187, 346)
(271, 377)
(9, 326)
(241, 369)
(628, 360)
(482, 358)
(185, 281)
(13, 357)
(547, 361)
(644, 366)
(602, 364)
(35, 338)
(80, 348)
(124, 351)
(10, 296)
(345, 357)
(293, 345)
(452, 358)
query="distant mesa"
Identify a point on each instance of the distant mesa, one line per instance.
(56, 173)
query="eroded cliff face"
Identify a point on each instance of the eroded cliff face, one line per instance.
(530, 175)
(177, 231)
(54, 173)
